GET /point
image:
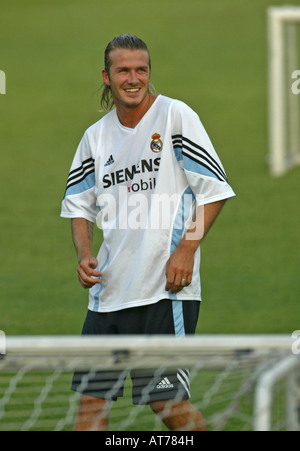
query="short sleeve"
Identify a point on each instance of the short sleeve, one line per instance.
(79, 198)
(196, 155)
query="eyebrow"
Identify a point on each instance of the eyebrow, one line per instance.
(137, 68)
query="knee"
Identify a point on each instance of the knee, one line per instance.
(179, 415)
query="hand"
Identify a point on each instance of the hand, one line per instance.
(179, 267)
(86, 272)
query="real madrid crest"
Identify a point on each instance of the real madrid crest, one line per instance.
(156, 143)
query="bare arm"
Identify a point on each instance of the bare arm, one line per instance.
(181, 263)
(82, 233)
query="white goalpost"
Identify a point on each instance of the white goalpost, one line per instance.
(283, 109)
(238, 382)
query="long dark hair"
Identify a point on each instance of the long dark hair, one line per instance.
(124, 41)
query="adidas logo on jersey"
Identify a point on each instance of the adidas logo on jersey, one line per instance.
(165, 383)
(110, 161)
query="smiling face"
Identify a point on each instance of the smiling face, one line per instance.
(128, 77)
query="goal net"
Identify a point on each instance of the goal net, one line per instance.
(237, 382)
(283, 88)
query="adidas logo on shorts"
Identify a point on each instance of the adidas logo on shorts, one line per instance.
(165, 383)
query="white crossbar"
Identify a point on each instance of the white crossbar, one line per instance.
(61, 344)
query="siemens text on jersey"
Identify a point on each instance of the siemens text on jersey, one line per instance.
(125, 174)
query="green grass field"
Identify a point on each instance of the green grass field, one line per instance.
(212, 55)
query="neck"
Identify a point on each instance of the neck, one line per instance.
(130, 116)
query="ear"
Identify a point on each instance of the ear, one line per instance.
(105, 77)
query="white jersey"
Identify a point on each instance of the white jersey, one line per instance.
(141, 186)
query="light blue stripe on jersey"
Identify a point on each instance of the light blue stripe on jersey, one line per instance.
(96, 298)
(183, 212)
(97, 295)
(178, 153)
(85, 184)
(197, 167)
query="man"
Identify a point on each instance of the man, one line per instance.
(144, 173)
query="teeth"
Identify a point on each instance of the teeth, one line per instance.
(132, 90)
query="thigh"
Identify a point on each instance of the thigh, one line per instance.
(172, 317)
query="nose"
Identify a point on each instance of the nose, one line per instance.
(133, 80)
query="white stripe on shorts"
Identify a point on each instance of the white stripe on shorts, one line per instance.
(183, 377)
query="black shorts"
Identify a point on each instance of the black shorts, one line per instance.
(168, 317)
